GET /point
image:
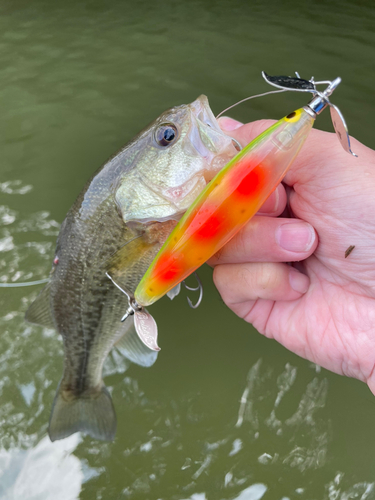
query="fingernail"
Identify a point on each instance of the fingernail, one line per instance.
(295, 236)
(274, 199)
(228, 124)
(298, 281)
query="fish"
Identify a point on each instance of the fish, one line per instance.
(114, 229)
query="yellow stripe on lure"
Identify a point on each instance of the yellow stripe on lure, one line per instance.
(236, 193)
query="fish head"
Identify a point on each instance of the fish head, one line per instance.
(173, 160)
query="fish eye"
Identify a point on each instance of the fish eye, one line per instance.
(166, 134)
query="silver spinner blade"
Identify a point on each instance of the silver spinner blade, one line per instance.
(290, 83)
(341, 129)
(145, 325)
(146, 329)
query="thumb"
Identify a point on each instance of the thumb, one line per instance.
(243, 133)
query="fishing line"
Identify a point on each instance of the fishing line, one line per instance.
(26, 283)
(248, 99)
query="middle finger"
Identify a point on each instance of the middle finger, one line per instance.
(269, 239)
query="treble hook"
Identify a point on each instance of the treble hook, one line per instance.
(199, 287)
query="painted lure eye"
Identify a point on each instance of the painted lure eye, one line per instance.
(166, 134)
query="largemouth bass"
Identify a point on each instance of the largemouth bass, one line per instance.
(118, 223)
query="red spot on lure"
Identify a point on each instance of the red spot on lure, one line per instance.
(168, 268)
(248, 180)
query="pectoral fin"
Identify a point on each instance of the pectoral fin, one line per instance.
(40, 310)
(131, 261)
(134, 349)
(174, 291)
(129, 264)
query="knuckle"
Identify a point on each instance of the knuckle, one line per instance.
(242, 244)
(219, 277)
(266, 278)
(223, 280)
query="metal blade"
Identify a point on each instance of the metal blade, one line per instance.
(341, 129)
(289, 83)
(146, 329)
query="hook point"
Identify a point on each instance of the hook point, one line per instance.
(199, 287)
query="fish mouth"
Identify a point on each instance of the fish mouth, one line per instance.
(201, 110)
(208, 140)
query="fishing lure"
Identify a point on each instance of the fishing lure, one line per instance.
(238, 191)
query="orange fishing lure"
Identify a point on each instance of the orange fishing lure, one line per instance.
(236, 193)
(225, 205)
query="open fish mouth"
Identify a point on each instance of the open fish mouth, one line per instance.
(202, 111)
(209, 141)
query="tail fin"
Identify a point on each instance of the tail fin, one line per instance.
(92, 413)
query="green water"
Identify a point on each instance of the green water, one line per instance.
(224, 413)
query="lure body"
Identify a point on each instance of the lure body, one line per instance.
(226, 204)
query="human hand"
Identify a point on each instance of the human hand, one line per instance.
(323, 306)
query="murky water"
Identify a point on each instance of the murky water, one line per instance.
(224, 413)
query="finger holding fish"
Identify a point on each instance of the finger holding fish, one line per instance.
(269, 239)
(240, 284)
(243, 133)
(275, 203)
